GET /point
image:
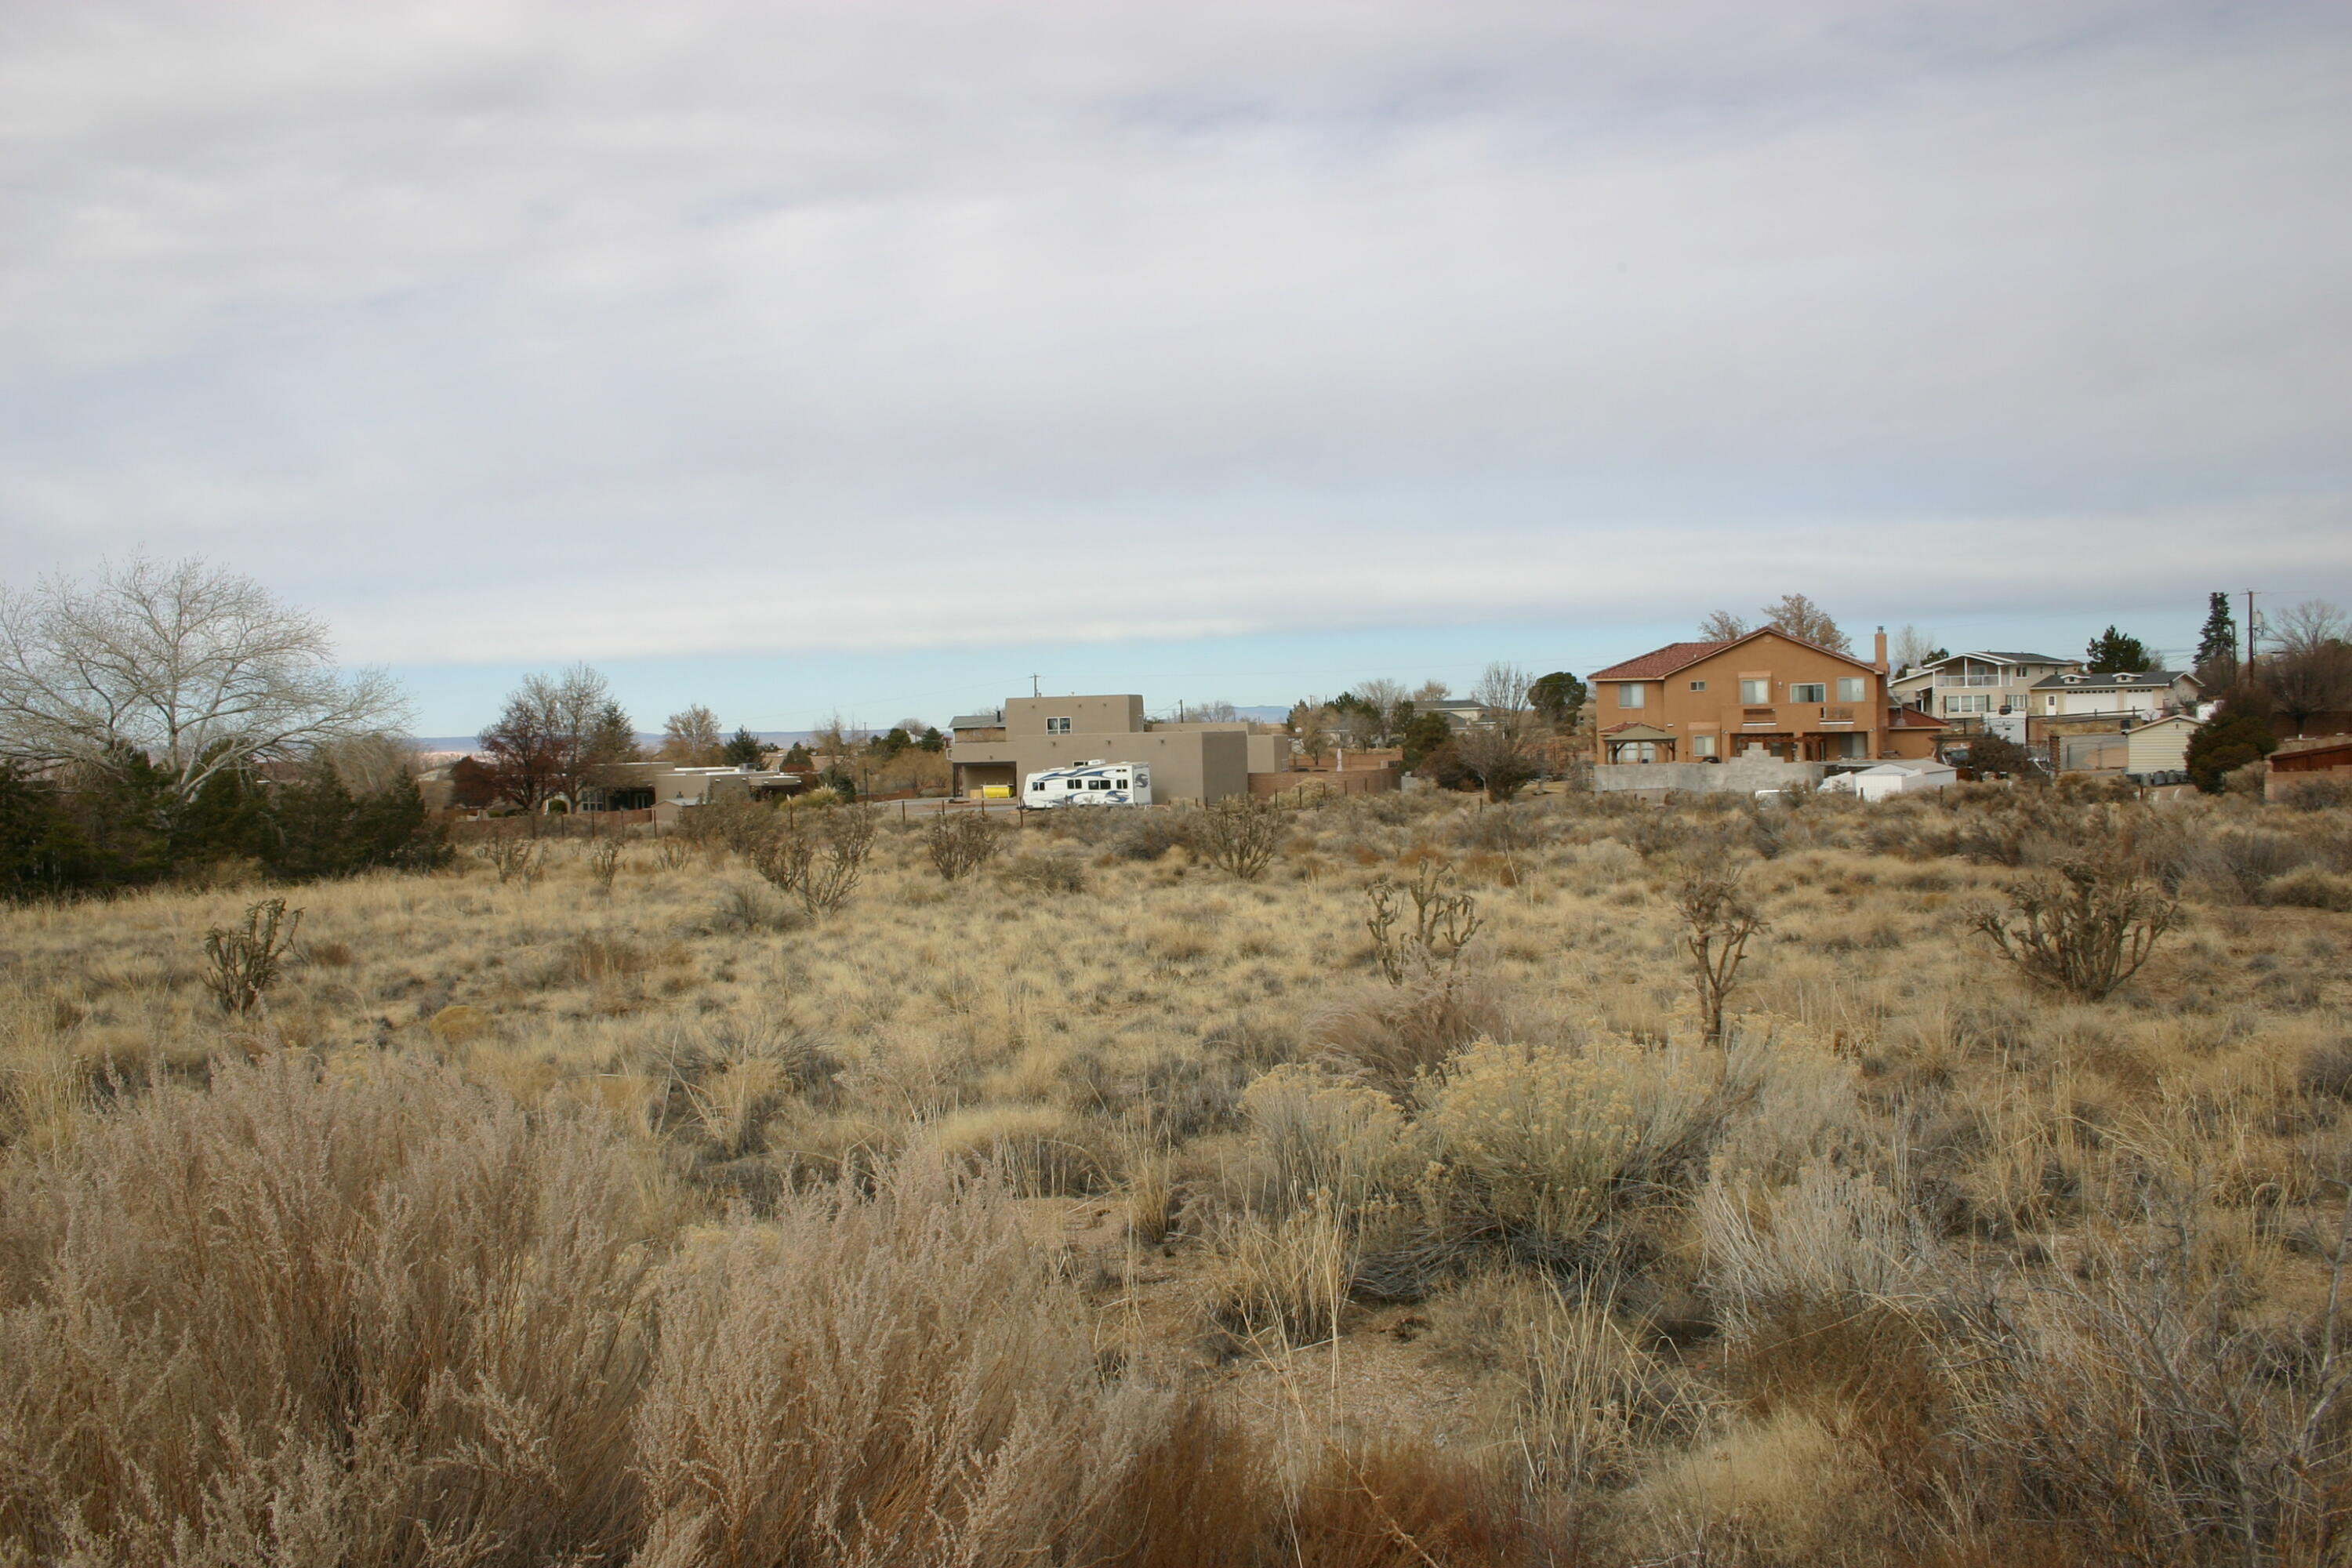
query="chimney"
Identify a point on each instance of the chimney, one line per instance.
(1881, 651)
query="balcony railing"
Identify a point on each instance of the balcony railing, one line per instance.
(1837, 715)
(1968, 680)
(1758, 715)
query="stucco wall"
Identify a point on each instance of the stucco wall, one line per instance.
(1743, 775)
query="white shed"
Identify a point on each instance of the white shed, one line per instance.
(2160, 747)
(1893, 778)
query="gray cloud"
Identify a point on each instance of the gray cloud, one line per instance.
(580, 330)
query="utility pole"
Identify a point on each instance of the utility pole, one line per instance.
(2250, 631)
(1033, 687)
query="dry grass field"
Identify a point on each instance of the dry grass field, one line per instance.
(1099, 1206)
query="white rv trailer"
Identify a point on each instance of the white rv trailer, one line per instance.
(1097, 782)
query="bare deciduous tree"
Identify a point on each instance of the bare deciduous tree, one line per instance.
(554, 731)
(1800, 617)
(1722, 627)
(1914, 648)
(691, 736)
(198, 668)
(1496, 748)
(2309, 669)
(2084, 928)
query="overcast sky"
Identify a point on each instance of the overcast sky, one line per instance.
(879, 355)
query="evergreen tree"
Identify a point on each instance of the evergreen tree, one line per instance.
(2225, 742)
(744, 749)
(2216, 645)
(2114, 653)
(1558, 698)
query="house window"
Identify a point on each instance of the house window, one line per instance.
(1967, 703)
(1698, 686)
(1852, 689)
(1755, 693)
(1808, 691)
(1701, 745)
(1629, 694)
(1057, 726)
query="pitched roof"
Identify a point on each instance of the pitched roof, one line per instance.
(2000, 657)
(2117, 680)
(1659, 663)
(1901, 717)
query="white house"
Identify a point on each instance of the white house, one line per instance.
(2134, 693)
(1974, 686)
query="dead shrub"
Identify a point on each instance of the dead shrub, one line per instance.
(2310, 888)
(1391, 1036)
(817, 853)
(382, 1318)
(2083, 929)
(894, 1378)
(961, 843)
(1046, 874)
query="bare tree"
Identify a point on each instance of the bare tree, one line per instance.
(2309, 670)
(198, 668)
(1496, 748)
(691, 736)
(1800, 617)
(1722, 627)
(1431, 691)
(552, 734)
(1914, 648)
(1387, 700)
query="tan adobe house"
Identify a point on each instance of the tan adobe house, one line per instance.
(1767, 695)
(1966, 687)
(1198, 760)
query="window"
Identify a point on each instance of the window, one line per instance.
(1629, 694)
(1809, 692)
(1852, 688)
(1698, 686)
(1701, 745)
(1098, 783)
(1036, 787)
(1057, 726)
(1755, 693)
(1975, 702)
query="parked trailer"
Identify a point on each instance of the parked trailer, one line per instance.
(1097, 782)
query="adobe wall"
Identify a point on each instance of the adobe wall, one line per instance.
(1742, 775)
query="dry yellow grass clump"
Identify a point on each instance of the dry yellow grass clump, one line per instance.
(1071, 1199)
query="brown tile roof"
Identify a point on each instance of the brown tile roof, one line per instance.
(1659, 662)
(1912, 718)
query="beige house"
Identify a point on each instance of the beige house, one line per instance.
(2129, 693)
(2157, 750)
(1199, 761)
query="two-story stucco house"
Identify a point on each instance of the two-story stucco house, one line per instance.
(1196, 760)
(1767, 694)
(1968, 688)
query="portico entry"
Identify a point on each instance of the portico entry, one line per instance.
(1641, 743)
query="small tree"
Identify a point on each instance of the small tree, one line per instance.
(2310, 672)
(2224, 743)
(1558, 698)
(1496, 749)
(2084, 928)
(1239, 834)
(743, 749)
(1720, 918)
(1444, 922)
(2115, 653)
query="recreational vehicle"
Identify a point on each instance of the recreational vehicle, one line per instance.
(1097, 782)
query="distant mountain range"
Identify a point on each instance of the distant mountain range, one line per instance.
(650, 743)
